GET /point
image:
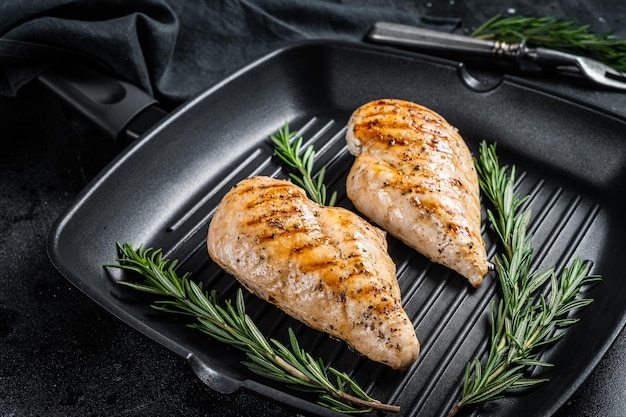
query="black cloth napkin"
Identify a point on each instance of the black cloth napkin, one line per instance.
(174, 49)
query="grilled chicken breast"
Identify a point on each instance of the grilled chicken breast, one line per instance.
(414, 176)
(324, 266)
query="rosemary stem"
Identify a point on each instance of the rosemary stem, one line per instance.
(532, 338)
(454, 410)
(502, 342)
(286, 366)
(497, 372)
(374, 405)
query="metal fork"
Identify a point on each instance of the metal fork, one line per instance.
(426, 39)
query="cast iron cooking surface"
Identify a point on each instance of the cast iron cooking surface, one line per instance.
(162, 190)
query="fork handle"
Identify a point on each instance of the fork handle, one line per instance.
(426, 39)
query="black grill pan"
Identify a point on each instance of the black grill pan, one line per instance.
(161, 192)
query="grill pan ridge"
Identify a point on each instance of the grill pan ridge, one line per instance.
(315, 87)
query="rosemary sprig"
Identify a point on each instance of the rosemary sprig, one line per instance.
(529, 315)
(564, 35)
(289, 151)
(230, 324)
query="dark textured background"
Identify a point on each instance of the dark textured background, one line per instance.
(61, 355)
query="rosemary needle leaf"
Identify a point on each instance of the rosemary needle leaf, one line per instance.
(525, 383)
(534, 362)
(289, 151)
(141, 287)
(229, 323)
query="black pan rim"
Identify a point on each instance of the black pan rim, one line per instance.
(66, 216)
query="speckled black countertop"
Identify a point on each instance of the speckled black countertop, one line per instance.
(62, 355)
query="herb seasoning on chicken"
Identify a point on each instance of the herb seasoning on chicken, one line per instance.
(414, 176)
(324, 266)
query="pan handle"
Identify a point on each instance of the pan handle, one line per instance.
(121, 110)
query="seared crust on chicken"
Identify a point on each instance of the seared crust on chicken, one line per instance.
(324, 266)
(414, 176)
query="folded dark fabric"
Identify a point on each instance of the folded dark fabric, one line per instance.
(174, 49)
